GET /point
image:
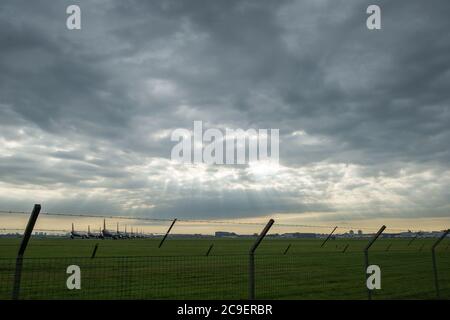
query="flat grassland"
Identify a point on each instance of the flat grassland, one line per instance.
(180, 269)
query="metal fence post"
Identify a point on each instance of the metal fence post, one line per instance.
(329, 236)
(287, 249)
(414, 238)
(167, 233)
(366, 256)
(433, 254)
(23, 246)
(389, 246)
(346, 247)
(95, 251)
(251, 262)
(209, 249)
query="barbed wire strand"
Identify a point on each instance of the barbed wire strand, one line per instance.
(203, 221)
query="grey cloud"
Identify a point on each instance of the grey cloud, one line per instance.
(92, 100)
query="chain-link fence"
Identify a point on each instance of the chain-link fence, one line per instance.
(404, 275)
(168, 277)
(314, 275)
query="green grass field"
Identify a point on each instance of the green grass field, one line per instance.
(138, 269)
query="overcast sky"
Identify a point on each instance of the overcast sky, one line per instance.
(364, 116)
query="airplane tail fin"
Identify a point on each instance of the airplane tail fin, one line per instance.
(72, 228)
(89, 229)
(104, 224)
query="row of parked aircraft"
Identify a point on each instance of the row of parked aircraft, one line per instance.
(106, 234)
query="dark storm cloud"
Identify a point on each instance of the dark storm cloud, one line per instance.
(89, 109)
(388, 100)
(233, 204)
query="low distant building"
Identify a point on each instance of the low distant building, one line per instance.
(300, 235)
(225, 234)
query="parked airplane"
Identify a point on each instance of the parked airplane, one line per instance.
(140, 234)
(134, 234)
(126, 235)
(97, 235)
(76, 234)
(119, 234)
(109, 234)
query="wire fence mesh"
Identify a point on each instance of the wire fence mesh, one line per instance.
(199, 260)
(164, 277)
(318, 275)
